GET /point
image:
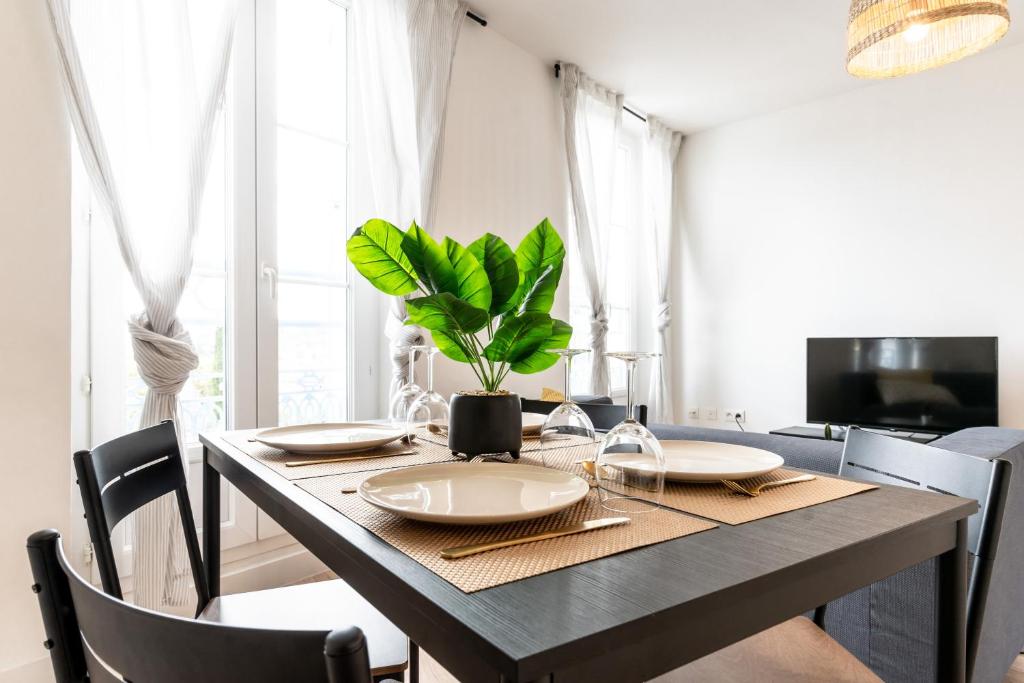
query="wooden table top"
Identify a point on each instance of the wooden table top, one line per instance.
(628, 616)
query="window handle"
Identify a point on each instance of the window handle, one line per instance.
(269, 274)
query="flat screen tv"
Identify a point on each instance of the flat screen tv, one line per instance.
(914, 384)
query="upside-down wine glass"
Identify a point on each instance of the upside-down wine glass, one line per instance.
(630, 467)
(403, 399)
(567, 421)
(429, 410)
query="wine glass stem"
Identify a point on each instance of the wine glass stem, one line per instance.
(568, 374)
(630, 378)
(430, 372)
(412, 366)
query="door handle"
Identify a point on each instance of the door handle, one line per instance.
(269, 273)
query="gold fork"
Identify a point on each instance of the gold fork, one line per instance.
(755, 491)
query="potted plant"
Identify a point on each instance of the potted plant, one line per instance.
(484, 305)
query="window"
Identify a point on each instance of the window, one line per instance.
(623, 242)
(268, 304)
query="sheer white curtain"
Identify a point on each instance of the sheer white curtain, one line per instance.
(404, 55)
(145, 83)
(661, 147)
(593, 119)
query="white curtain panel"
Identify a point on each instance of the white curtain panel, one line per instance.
(592, 121)
(145, 84)
(404, 55)
(660, 149)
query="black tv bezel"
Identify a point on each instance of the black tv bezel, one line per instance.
(913, 429)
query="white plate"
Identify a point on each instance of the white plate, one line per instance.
(336, 437)
(707, 461)
(532, 422)
(473, 493)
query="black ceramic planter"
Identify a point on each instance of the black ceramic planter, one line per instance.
(485, 424)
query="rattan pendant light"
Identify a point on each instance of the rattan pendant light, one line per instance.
(887, 38)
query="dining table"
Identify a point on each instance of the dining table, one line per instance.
(629, 616)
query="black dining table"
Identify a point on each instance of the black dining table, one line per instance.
(634, 615)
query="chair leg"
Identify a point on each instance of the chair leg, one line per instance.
(414, 662)
(819, 617)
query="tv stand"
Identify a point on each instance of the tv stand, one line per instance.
(839, 434)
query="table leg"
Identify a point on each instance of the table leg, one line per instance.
(211, 524)
(952, 637)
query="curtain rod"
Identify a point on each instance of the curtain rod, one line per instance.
(476, 17)
(558, 71)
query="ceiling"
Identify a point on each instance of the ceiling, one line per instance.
(695, 63)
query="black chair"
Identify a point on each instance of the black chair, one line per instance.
(95, 637)
(795, 650)
(120, 476)
(603, 415)
(898, 462)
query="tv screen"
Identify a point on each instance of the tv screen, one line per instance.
(915, 384)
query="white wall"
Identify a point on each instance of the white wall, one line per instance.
(504, 166)
(35, 264)
(896, 209)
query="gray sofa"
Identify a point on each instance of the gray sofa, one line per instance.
(890, 625)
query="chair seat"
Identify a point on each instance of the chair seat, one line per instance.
(795, 651)
(314, 606)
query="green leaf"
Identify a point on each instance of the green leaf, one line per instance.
(539, 257)
(561, 333)
(518, 337)
(429, 260)
(446, 313)
(452, 347)
(499, 262)
(472, 285)
(540, 359)
(541, 287)
(542, 247)
(375, 249)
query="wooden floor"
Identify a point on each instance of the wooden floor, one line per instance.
(432, 672)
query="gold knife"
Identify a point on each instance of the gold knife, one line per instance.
(465, 550)
(343, 458)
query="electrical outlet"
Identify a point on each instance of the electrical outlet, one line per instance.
(709, 413)
(736, 415)
(693, 413)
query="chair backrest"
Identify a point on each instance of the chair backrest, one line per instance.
(118, 477)
(92, 635)
(603, 415)
(889, 460)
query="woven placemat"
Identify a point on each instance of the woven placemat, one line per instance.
(531, 444)
(423, 453)
(423, 542)
(715, 501)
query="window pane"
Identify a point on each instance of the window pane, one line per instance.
(310, 206)
(312, 353)
(311, 56)
(311, 138)
(310, 174)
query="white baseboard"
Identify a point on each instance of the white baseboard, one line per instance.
(38, 671)
(279, 567)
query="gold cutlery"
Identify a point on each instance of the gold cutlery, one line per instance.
(324, 461)
(755, 491)
(466, 550)
(350, 489)
(590, 467)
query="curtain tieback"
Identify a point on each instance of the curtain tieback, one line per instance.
(402, 339)
(599, 326)
(662, 315)
(164, 361)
